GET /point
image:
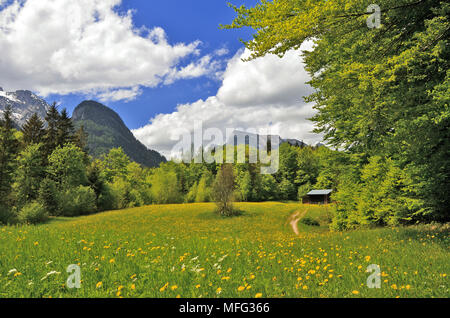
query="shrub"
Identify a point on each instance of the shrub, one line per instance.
(106, 200)
(77, 201)
(33, 213)
(7, 216)
(309, 221)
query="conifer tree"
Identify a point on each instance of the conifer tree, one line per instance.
(65, 129)
(8, 152)
(33, 130)
(51, 133)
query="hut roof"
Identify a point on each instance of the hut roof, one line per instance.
(320, 192)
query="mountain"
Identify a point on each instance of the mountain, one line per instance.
(23, 104)
(106, 130)
(241, 137)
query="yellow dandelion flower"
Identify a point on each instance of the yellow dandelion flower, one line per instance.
(241, 288)
(133, 287)
(258, 295)
(99, 284)
(164, 287)
(355, 292)
(112, 261)
(174, 287)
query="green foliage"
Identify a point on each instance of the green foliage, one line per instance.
(33, 130)
(287, 190)
(33, 213)
(107, 131)
(29, 174)
(165, 187)
(48, 196)
(309, 221)
(379, 92)
(7, 215)
(77, 201)
(8, 152)
(115, 164)
(66, 166)
(223, 189)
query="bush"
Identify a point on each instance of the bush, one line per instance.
(48, 197)
(309, 221)
(106, 200)
(77, 201)
(33, 213)
(7, 216)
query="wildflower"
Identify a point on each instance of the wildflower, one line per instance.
(219, 290)
(99, 284)
(394, 286)
(164, 287)
(355, 292)
(174, 287)
(133, 287)
(258, 295)
(225, 278)
(112, 261)
(197, 286)
(241, 288)
(305, 287)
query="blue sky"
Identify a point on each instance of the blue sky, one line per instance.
(161, 65)
(184, 21)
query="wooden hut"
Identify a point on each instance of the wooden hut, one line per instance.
(318, 197)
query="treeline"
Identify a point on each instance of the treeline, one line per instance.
(45, 170)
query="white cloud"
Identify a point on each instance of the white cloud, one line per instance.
(260, 94)
(72, 46)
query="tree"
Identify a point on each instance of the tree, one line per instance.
(223, 189)
(51, 132)
(115, 164)
(65, 129)
(8, 153)
(29, 174)
(378, 91)
(66, 166)
(33, 130)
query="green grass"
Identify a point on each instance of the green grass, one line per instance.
(188, 251)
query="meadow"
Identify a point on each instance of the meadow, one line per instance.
(188, 251)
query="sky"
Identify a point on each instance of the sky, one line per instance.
(161, 65)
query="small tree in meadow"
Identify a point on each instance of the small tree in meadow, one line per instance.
(223, 189)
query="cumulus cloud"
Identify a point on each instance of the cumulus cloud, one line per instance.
(266, 93)
(73, 46)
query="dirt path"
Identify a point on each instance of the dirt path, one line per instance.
(294, 218)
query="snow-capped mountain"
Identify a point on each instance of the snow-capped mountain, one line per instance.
(23, 104)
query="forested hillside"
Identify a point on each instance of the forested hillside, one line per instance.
(106, 130)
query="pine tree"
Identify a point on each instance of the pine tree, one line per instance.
(33, 130)
(51, 133)
(8, 152)
(65, 129)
